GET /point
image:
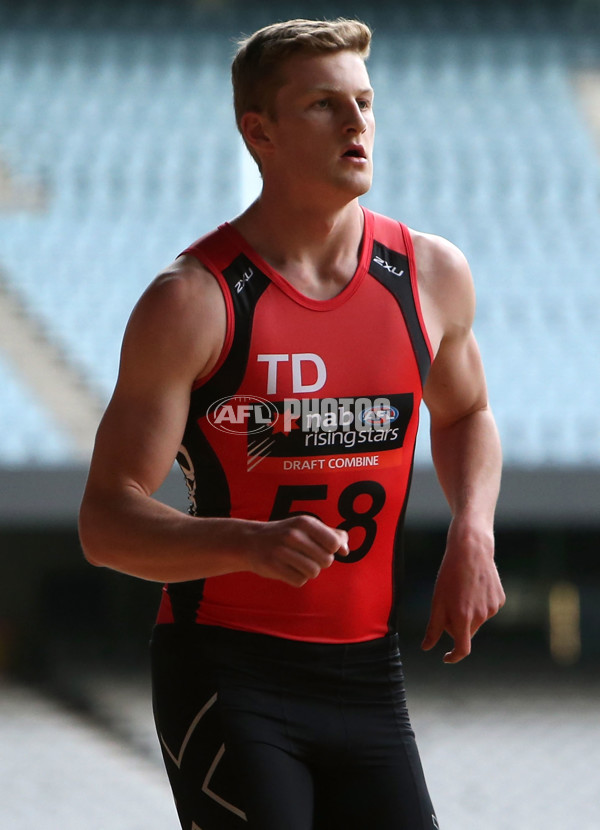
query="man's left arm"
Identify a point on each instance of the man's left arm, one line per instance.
(467, 457)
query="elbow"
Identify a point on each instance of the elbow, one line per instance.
(90, 538)
(90, 556)
(90, 552)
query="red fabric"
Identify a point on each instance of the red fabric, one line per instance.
(355, 345)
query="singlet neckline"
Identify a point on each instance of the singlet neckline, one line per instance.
(302, 299)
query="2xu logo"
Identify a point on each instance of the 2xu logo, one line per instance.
(391, 268)
(242, 415)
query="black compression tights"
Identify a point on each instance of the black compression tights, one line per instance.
(282, 792)
(259, 734)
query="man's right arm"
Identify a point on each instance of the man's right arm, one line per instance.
(174, 335)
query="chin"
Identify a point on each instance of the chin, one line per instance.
(362, 180)
(357, 187)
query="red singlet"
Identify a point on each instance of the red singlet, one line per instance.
(312, 408)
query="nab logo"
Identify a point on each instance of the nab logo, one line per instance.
(387, 266)
(380, 416)
(242, 415)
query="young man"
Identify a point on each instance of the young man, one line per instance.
(282, 359)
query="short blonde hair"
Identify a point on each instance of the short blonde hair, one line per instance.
(256, 71)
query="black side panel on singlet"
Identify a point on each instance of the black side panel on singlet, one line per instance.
(246, 285)
(394, 620)
(391, 269)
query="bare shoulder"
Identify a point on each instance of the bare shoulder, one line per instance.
(445, 283)
(182, 312)
(184, 289)
(436, 251)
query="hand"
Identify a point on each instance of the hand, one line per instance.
(467, 592)
(296, 549)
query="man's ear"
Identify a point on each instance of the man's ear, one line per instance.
(254, 129)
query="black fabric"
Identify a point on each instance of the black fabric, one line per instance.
(246, 284)
(245, 294)
(264, 733)
(391, 269)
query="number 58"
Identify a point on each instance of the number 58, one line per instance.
(287, 494)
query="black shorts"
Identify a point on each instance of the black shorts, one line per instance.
(260, 732)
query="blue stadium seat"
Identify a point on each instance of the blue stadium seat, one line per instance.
(480, 139)
(27, 434)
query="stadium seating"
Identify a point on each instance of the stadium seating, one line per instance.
(29, 438)
(128, 129)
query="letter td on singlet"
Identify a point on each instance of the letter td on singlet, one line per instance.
(305, 377)
(297, 375)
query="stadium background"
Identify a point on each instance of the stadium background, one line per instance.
(117, 148)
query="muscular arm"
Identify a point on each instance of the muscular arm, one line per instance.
(466, 453)
(174, 335)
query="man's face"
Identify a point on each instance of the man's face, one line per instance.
(322, 135)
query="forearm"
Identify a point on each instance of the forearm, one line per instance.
(127, 530)
(131, 532)
(468, 462)
(468, 590)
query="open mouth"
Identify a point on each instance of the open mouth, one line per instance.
(354, 152)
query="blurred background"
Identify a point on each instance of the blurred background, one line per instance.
(117, 149)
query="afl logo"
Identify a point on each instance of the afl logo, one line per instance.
(242, 415)
(379, 417)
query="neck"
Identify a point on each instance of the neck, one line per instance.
(316, 249)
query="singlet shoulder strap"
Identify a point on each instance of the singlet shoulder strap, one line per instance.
(242, 284)
(393, 265)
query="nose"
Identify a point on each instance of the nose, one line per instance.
(356, 122)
